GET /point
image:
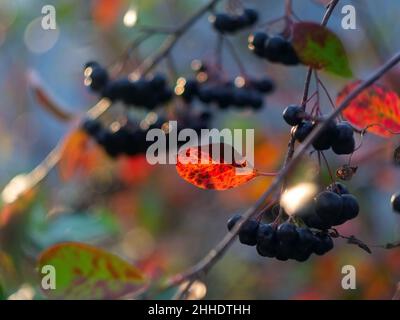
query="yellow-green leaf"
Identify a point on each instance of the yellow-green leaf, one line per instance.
(86, 272)
(320, 48)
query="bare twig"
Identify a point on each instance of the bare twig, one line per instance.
(172, 39)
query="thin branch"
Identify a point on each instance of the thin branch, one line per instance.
(173, 38)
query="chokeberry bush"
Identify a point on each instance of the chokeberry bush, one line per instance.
(323, 191)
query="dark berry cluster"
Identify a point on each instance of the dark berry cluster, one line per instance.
(273, 48)
(228, 94)
(284, 242)
(338, 136)
(332, 207)
(231, 23)
(125, 140)
(130, 139)
(145, 92)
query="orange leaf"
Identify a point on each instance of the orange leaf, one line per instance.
(376, 105)
(106, 12)
(78, 154)
(197, 166)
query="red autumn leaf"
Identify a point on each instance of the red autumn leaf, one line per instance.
(376, 105)
(134, 169)
(197, 166)
(78, 154)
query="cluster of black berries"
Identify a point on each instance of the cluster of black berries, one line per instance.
(130, 139)
(332, 207)
(226, 94)
(283, 242)
(395, 201)
(338, 136)
(231, 23)
(239, 93)
(273, 48)
(123, 141)
(144, 92)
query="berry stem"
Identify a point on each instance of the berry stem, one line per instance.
(236, 57)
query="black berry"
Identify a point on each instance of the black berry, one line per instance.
(287, 233)
(324, 140)
(266, 240)
(293, 115)
(302, 130)
(232, 221)
(350, 206)
(323, 244)
(395, 200)
(248, 232)
(328, 206)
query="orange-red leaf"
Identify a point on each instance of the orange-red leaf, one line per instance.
(106, 12)
(198, 167)
(78, 154)
(134, 169)
(376, 106)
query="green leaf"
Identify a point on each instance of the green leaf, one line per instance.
(86, 272)
(77, 227)
(320, 48)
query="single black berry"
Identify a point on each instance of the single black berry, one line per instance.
(302, 130)
(314, 221)
(395, 200)
(323, 244)
(257, 41)
(350, 206)
(344, 147)
(266, 240)
(251, 16)
(289, 56)
(97, 78)
(248, 232)
(328, 206)
(293, 115)
(274, 48)
(287, 233)
(324, 140)
(232, 221)
(284, 251)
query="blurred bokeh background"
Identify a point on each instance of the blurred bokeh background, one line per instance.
(147, 214)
